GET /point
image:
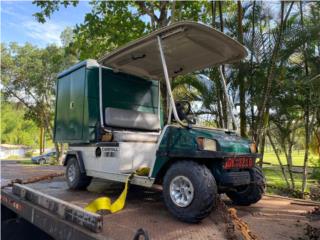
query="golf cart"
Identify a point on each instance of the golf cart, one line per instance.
(109, 112)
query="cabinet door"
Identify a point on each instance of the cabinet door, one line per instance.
(70, 106)
(76, 104)
(62, 110)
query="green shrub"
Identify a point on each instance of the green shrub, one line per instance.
(13, 157)
(316, 173)
(28, 154)
(316, 170)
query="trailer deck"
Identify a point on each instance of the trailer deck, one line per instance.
(144, 209)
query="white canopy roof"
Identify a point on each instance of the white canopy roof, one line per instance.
(188, 46)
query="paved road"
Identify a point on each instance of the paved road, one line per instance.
(271, 218)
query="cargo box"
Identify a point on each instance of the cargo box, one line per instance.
(77, 118)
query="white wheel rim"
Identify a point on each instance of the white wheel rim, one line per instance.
(71, 173)
(181, 191)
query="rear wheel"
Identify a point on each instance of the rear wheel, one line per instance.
(251, 193)
(189, 191)
(75, 178)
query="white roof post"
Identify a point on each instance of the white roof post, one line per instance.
(166, 76)
(100, 96)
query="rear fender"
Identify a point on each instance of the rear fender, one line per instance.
(78, 156)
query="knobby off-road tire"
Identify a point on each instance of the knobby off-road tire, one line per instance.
(204, 191)
(76, 179)
(251, 193)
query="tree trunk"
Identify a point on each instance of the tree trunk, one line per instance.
(306, 153)
(218, 94)
(49, 126)
(289, 161)
(279, 160)
(251, 68)
(217, 83)
(213, 9)
(271, 70)
(263, 135)
(222, 96)
(173, 12)
(56, 146)
(224, 108)
(317, 134)
(220, 15)
(180, 11)
(306, 115)
(42, 140)
(61, 153)
(242, 91)
(261, 151)
(220, 120)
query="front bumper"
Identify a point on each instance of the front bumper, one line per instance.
(205, 154)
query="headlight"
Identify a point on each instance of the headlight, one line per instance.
(206, 144)
(253, 148)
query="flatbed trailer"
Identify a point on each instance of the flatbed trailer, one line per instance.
(144, 209)
(59, 212)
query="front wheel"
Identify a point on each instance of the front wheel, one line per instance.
(75, 178)
(251, 193)
(189, 191)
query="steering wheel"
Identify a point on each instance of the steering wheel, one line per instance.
(184, 110)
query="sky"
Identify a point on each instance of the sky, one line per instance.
(19, 25)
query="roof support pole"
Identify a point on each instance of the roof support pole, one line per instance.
(170, 113)
(100, 97)
(159, 101)
(166, 77)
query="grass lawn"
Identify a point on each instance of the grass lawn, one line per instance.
(27, 162)
(275, 179)
(274, 176)
(297, 158)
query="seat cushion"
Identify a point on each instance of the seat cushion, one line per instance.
(122, 118)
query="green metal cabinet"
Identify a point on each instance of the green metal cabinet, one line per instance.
(77, 99)
(70, 101)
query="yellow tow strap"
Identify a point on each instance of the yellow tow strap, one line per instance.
(104, 203)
